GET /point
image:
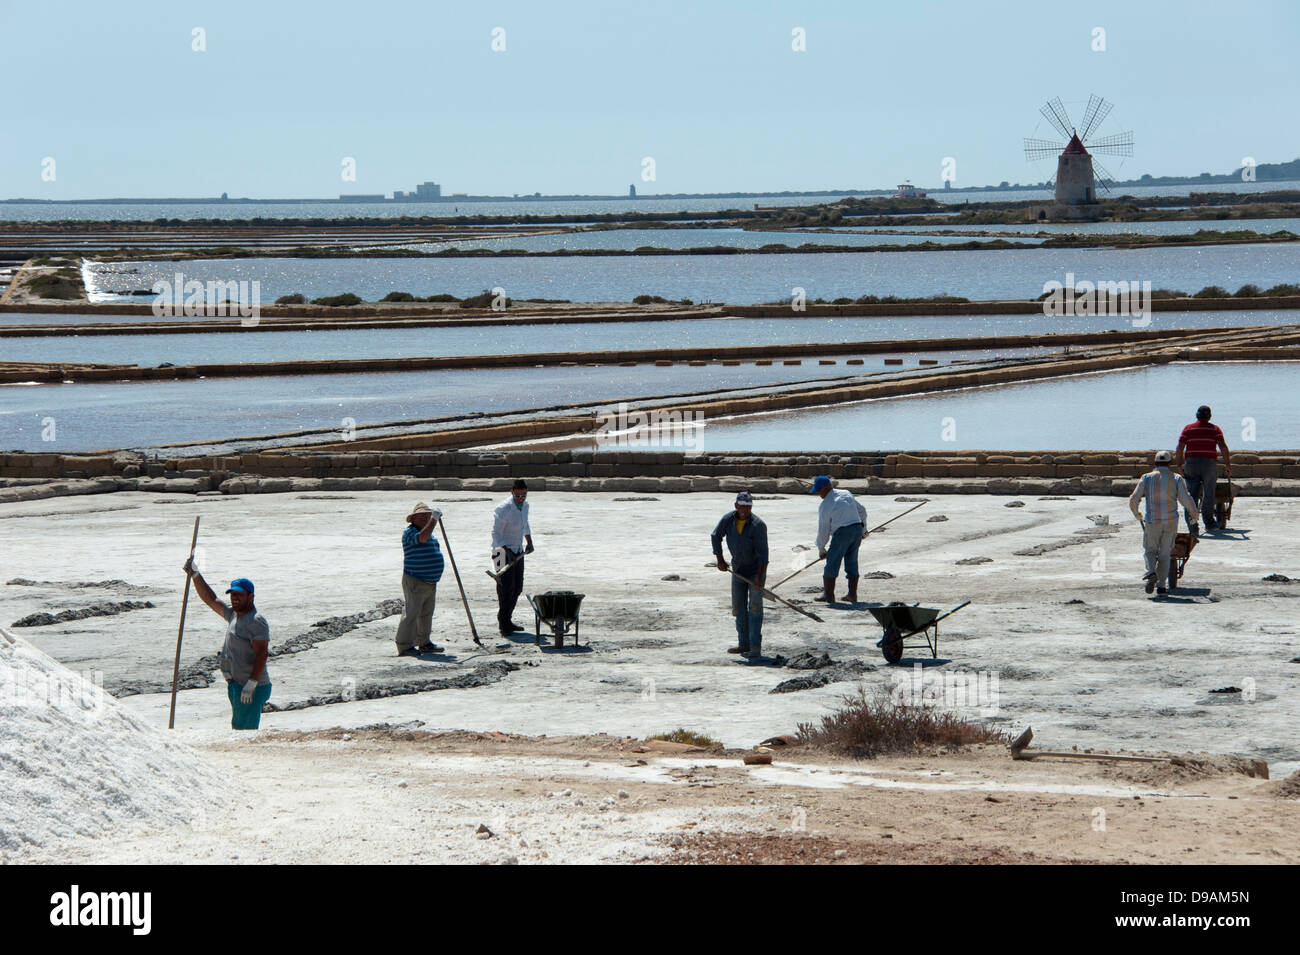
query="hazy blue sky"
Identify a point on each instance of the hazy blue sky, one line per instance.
(712, 91)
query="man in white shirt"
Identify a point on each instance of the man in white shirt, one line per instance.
(840, 522)
(509, 531)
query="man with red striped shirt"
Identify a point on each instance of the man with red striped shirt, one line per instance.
(1202, 442)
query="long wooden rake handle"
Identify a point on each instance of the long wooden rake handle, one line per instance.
(180, 633)
(442, 523)
(865, 535)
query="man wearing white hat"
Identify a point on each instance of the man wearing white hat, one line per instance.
(421, 571)
(1163, 491)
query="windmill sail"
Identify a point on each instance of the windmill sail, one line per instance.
(1094, 114)
(1054, 112)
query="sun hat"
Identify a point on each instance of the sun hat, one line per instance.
(422, 508)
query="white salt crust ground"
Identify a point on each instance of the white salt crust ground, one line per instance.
(1116, 670)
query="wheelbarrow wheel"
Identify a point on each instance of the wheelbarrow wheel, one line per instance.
(1221, 516)
(892, 645)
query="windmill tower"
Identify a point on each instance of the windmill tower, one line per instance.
(1076, 181)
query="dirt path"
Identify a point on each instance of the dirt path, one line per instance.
(394, 795)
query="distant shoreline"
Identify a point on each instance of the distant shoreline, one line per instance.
(454, 200)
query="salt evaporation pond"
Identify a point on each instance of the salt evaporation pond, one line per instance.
(1141, 408)
(744, 278)
(260, 346)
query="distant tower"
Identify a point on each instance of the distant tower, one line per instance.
(631, 192)
(1076, 183)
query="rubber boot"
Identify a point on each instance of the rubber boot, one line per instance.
(853, 590)
(828, 590)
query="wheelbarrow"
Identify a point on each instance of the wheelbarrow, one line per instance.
(559, 610)
(1183, 544)
(901, 621)
(1224, 495)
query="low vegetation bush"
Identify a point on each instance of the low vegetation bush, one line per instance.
(649, 300)
(868, 725)
(1212, 291)
(347, 298)
(63, 284)
(297, 298)
(441, 297)
(689, 736)
(1284, 289)
(399, 297)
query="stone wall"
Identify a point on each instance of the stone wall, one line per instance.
(29, 476)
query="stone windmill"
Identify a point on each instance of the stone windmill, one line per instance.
(1076, 181)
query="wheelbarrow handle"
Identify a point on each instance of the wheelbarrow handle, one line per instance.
(949, 613)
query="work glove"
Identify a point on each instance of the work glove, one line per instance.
(821, 553)
(722, 564)
(250, 688)
(189, 567)
(529, 549)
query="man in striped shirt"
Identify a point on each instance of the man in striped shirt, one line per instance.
(1202, 442)
(421, 571)
(1163, 491)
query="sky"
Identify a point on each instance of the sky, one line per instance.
(117, 100)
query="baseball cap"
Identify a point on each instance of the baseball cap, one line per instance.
(242, 584)
(1164, 457)
(820, 482)
(744, 497)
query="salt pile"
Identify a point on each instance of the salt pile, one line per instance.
(75, 764)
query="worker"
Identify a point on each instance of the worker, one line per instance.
(746, 536)
(840, 523)
(510, 529)
(422, 567)
(1198, 453)
(1163, 491)
(245, 651)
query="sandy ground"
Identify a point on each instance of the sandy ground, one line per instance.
(412, 797)
(1063, 640)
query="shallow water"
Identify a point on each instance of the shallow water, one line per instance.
(1143, 408)
(687, 239)
(1169, 227)
(738, 279)
(259, 346)
(96, 415)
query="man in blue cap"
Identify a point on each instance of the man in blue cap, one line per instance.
(244, 654)
(746, 536)
(840, 522)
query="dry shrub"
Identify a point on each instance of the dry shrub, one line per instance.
(691, 737)
(867, 726)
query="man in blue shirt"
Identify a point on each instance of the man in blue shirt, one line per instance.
(421, 571)
(746, 536)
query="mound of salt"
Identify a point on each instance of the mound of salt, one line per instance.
(75, 764)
